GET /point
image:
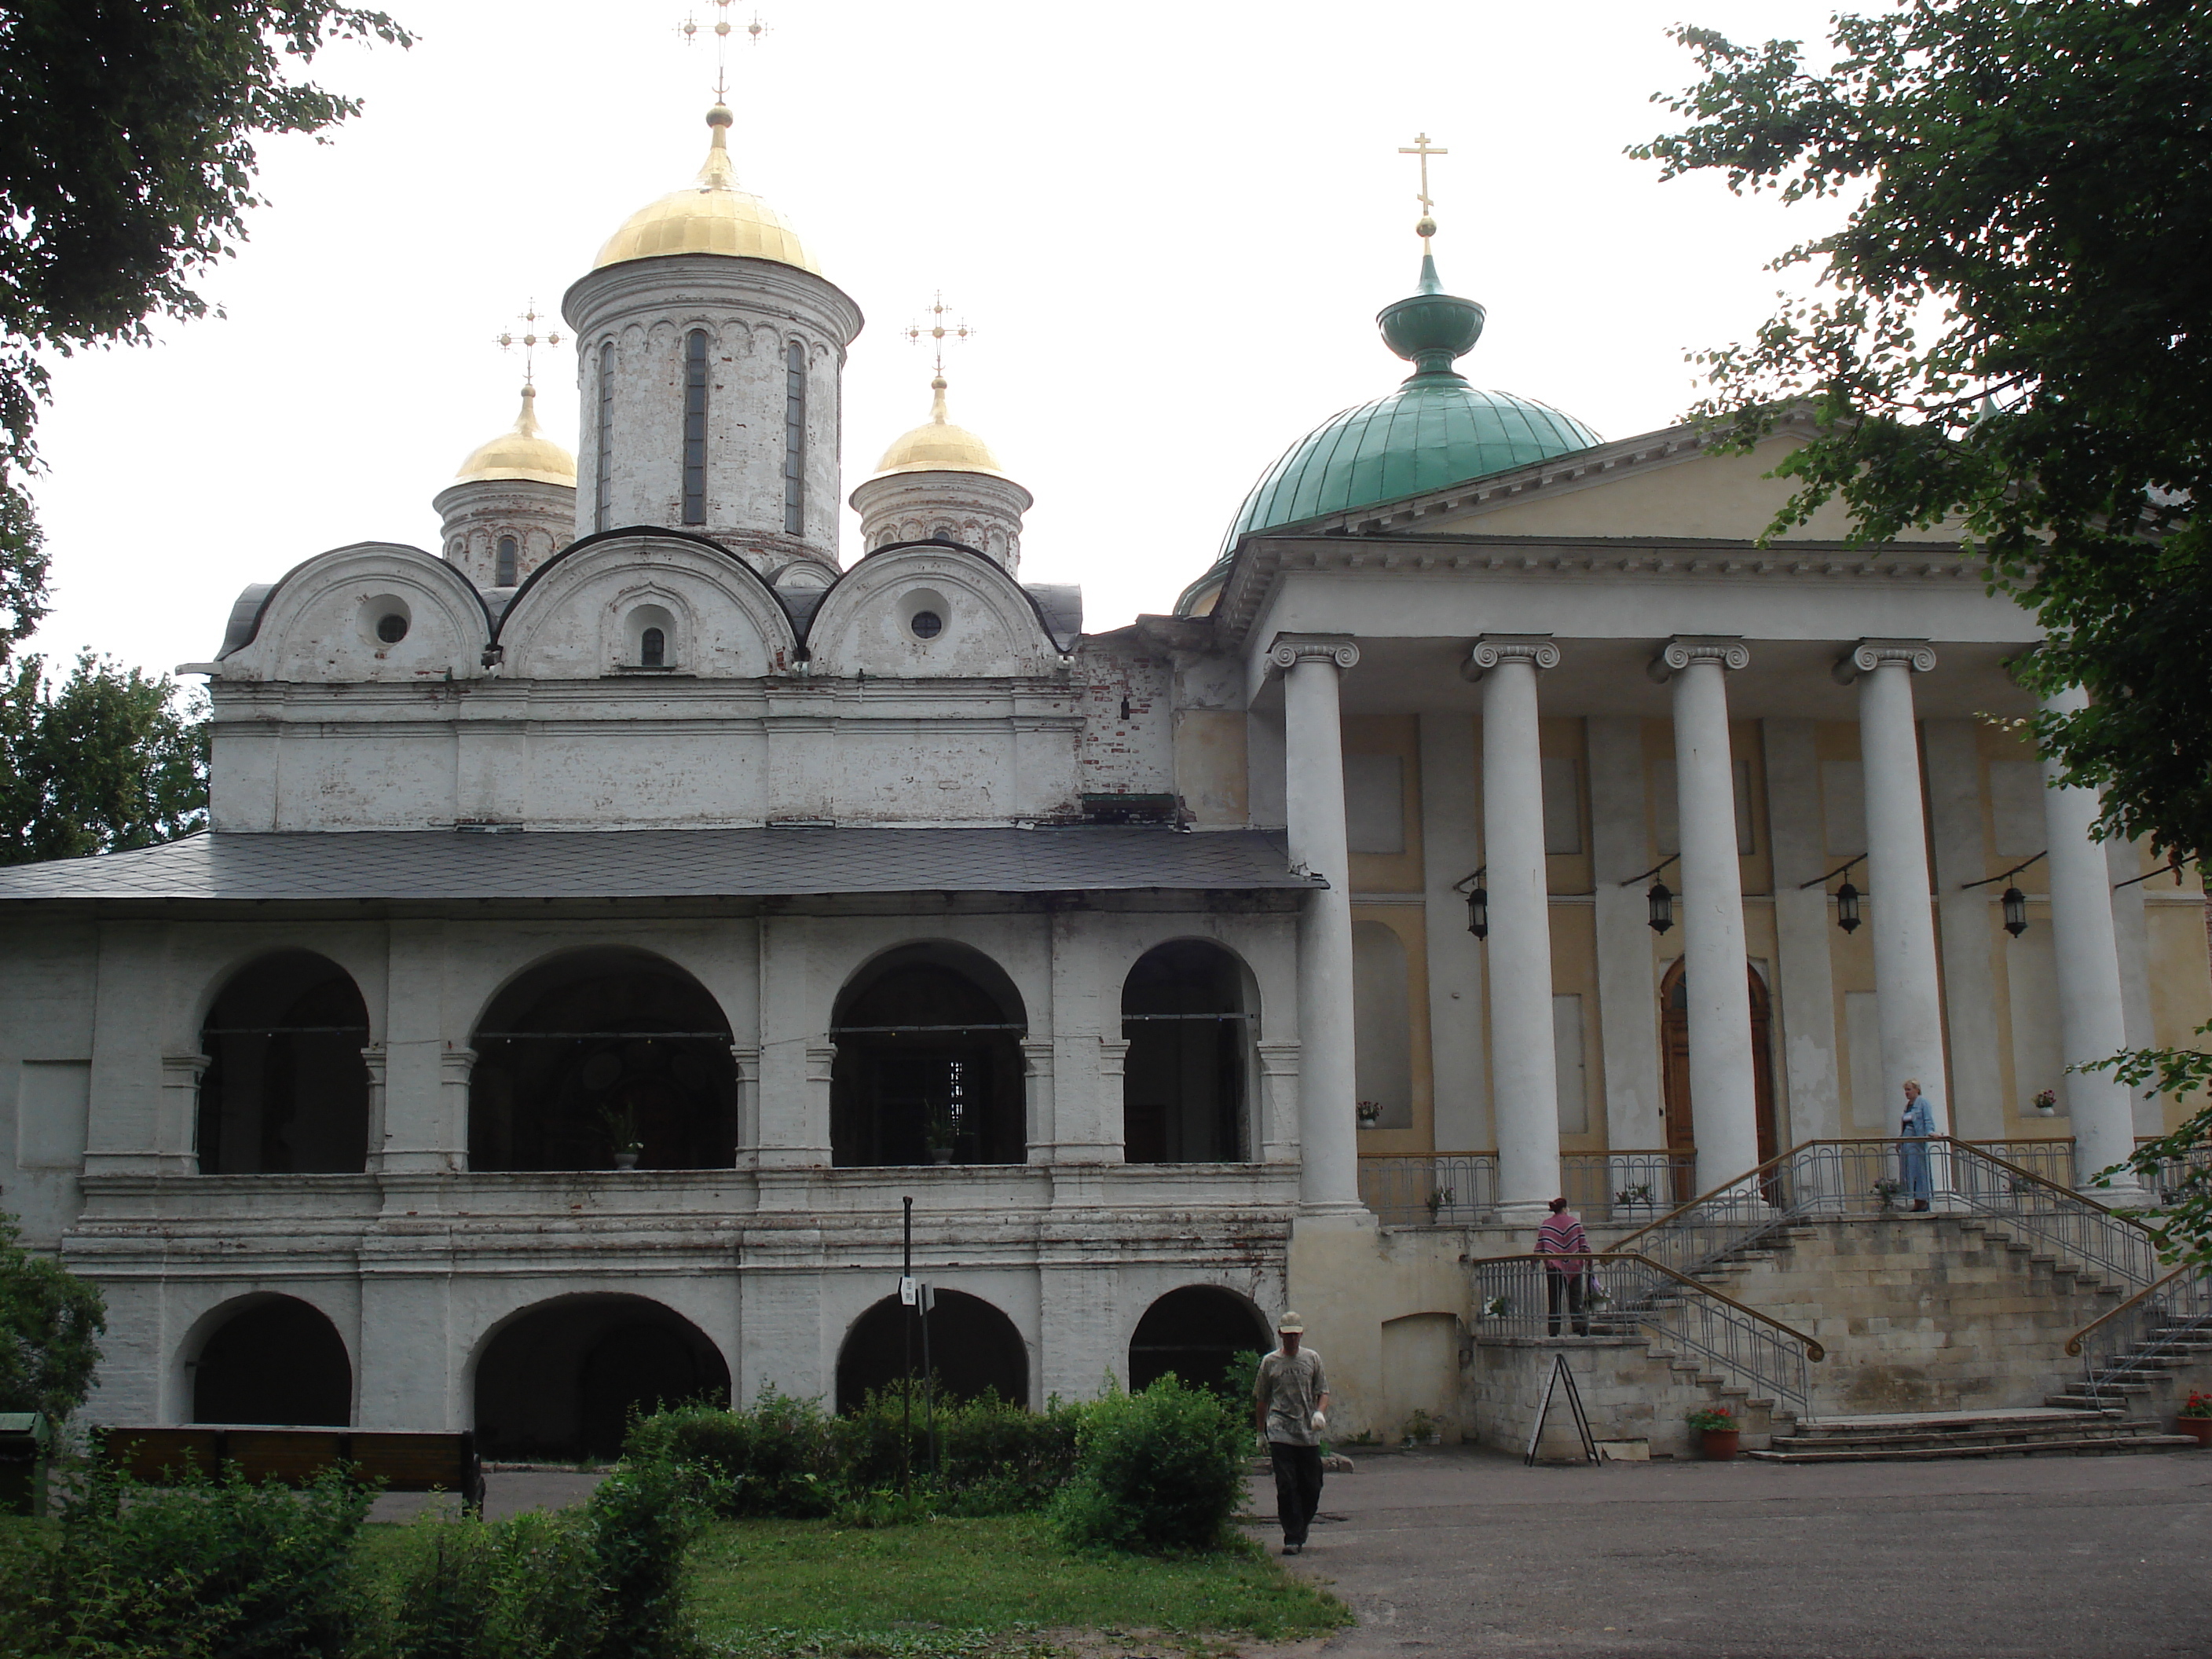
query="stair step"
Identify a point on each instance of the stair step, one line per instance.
(1972, 1439)
(2077, 1448)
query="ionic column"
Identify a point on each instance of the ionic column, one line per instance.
(1313, 737)
(1524, 1085)
(1908, 993)
(2092, 1014)
(1723, 1094)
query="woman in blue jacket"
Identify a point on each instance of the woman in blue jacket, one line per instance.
(1919, 1123)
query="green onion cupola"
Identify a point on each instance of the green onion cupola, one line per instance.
(1434, 431)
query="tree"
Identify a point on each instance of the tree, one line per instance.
(127, 131)
(109, 759)
(50, 1322)
(2012, 332)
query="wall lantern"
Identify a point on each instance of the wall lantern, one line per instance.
(1662, 907)
(1478, 902)
(2015, 911)
(1847, 906)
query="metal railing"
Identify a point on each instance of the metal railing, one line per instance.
(2171, 1178)
(1639, 1296)
(2128, 1343)
(1825, 1178)
(2052, 1159)
(1460, 1190)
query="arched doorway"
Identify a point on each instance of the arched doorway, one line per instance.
(973, 1347)
(1183, 1087)
(1195, 1333)
(1674, 1043)
(595, 1049)
(563, 1380)
(286, 1091)
(929, 1062)
(275, 1360)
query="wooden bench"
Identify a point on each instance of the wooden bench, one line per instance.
(401, 1460)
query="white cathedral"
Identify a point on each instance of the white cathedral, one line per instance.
(608, 919)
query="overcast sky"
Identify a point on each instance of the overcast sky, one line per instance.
(1170, 226)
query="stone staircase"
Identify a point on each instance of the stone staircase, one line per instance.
(2134, 1377)
(1918, 1437)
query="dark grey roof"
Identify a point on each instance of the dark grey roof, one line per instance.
(435, 864)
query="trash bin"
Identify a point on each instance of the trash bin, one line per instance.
(22, 1463)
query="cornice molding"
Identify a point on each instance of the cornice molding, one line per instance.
(1916, 656)
(1288, 650)
(1727, 650)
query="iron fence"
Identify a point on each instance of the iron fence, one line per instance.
(1458, 1190)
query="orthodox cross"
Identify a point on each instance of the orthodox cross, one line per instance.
(690, 27)
(1422, 147)
(529, 339)
(937, 330)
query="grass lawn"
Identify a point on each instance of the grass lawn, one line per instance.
(804, 1587)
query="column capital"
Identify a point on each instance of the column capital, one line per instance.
(1916, 656)
(1288, 650)
(1727, 650)
(1537, 650)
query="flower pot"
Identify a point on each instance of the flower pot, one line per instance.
(1720, 1444)
(2199, 1426)
(940, 1155)
(2046, 1111)
(626, 1160)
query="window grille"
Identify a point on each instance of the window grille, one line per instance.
(603, 485)
(503, 570)
(695, 427)
(653, 648)
(794, 439)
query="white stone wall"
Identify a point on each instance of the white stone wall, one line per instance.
(474, 514)
(972, 508)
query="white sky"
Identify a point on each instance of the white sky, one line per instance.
(1170, 226)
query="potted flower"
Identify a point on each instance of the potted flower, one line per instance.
(2046, 1102)
(1887, 1190)
(2194, 1417)
(938, 1135)
(1717, 1432)
(622, 1131)
(1437, 1200)
(1629, 1197)
(1371, 1113)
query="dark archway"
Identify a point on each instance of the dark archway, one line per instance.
(1183, 1082)
(277, 1360)
(594, 1048)
(929, 1062)
(286, 1090)
(563, 1380)
(1195, 1333)
(973, 1347)
(1674, 1044)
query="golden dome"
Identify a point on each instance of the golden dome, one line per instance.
(713, 216)
(937, 446)
(522, 453)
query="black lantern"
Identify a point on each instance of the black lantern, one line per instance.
(1477, 912)
(1847, 906)
(2015, 911)
(1662, 907)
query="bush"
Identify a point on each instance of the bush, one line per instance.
(645, 1518)
(525, 1588)
(197, 1571)
(1157, 1472)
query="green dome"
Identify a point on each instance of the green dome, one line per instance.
(1434, 431)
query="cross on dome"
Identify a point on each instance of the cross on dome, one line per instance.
(1426, 225)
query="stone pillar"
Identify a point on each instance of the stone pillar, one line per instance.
(1908, 995)
(2092, 1016)
(796, 1055)
(426, 1097)
(180, 1106)
(1037, 1099)
(746, 1059)
(1715, 965)
(1313, 787)
(1524, 1085)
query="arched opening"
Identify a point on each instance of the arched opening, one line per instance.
(503, 565)
(564, 1379)
(277, 1360)
(974, 1349)
(1195, 1333)
(1183, 1081)
(593, 1054)
(286, 1091)
(929, 1062)
(1675, 1042)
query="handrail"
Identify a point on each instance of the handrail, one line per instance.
(2074, 1342)
(2009, 1167)
(1814, 1349)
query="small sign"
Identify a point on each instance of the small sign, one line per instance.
(906, 1287)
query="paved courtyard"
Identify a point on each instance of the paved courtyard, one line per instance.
(1458, 1553)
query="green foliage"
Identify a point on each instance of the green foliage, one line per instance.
(1713, 1419)
(108, 759)
(1157, 1472)
(780, 1457)
(127, 162)
(2016, 336)
(645, 1518)
(458, 1587)
(50, 1322)
(2174, 1166)
(202, 1570)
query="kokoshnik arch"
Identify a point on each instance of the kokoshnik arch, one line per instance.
(638, 823)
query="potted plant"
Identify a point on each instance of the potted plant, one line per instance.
(1371, 1113)
(2046, 1102)
(1887, 1190)
(1437, 1200)
(2194, 1417)
(1629, 1197)
(622, 1130)
(938, 1135)
(1717, 1431)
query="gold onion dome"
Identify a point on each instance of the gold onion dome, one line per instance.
(712, 216)
(522, 452)
(937, 446)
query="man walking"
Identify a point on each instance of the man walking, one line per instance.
(1289, 1401)
(1914, 1128)
(1565, 1249)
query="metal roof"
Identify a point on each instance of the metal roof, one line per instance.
(811, 859)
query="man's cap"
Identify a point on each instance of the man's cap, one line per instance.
(1291, 1325)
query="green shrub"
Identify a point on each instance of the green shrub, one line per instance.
(525, 1587)
(218, 1569)
(780, 1458)
(1157, 1472)
(645, 1518)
